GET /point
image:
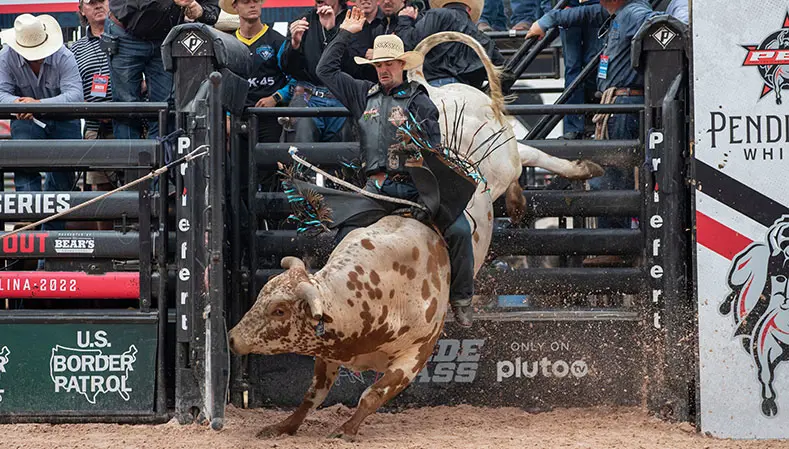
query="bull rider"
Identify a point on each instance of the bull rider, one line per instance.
(379, 110)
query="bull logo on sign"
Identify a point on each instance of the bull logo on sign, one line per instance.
(771, 57)
(759, 304)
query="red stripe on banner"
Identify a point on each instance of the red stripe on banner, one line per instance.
(33, 8)
(70, 285)
(719, 238)
(288, 3)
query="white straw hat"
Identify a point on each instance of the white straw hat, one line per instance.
(389, 47)
(34, 38)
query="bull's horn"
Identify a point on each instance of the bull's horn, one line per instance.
(308, 292)
(292, 262)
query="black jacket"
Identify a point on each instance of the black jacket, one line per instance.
(302, 62)
(151, 20)
(450, 59)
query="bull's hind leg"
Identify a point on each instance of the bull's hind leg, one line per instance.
(399, 374)
(322, 381)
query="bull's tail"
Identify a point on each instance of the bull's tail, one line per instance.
(494, 73)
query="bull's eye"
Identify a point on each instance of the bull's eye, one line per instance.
(278, 312)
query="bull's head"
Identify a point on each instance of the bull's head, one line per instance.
(283, 318)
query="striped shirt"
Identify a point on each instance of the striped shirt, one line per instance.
(91, 61)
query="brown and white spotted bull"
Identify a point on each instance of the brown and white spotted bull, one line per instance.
(378, 304)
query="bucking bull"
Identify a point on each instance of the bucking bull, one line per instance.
(380, 301)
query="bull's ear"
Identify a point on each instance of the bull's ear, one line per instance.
(292, 262)
(305, 291)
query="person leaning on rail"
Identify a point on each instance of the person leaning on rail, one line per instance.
(451, 62)
(618, 82)
(308, 36)
(134, 36)
(379, 109)
(38, 68)
(94, 69)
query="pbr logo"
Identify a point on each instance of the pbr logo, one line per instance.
(771, 57)
(759, 304)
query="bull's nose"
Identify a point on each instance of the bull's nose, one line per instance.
(236, 345)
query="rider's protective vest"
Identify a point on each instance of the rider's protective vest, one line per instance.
(378, 127)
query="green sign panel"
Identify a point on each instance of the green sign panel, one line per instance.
(90, 369)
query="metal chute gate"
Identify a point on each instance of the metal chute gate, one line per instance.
(210, 240)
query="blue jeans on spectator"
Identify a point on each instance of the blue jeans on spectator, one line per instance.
(620, 127)
(320, 129)
(579, 45)
(438, 82)
(135, 57)
(494, 15)
(528, 11)
(30, 181)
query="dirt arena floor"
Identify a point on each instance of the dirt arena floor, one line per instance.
(439, 427)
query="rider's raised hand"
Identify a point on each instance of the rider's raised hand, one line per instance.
(354, 21)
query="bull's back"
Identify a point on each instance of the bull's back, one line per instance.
(479, 125)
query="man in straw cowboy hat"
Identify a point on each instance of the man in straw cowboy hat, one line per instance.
(382, 110)
(451, 62)
(38, 68)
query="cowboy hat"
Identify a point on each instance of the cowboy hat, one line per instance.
(474, 5)
(227, 22)
(34, 38)
(227, 6)
(389, 47)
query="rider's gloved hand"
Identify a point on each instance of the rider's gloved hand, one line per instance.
(421, 214)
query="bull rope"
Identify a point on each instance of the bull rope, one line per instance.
(198, 152)
(293, 150)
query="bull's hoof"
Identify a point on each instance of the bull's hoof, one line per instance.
(273, 431)
(341, 435)
(769, 408)
(592, 169)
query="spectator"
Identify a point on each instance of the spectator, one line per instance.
(580, 45)
(135, 33)
(309, 36)
(679, 9)
(269, 86)
(362, 45)
(94, 69)
(524, 13)
(390, 9)
(449, 62)
(38, 68)
(616, 79)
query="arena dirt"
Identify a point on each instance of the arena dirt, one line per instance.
(436, 427)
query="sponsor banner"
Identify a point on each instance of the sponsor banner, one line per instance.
(71, 244)
(37, 205)
(69, 284)
(742, 215)
(101, 369)
(50, 6)
(496, 363)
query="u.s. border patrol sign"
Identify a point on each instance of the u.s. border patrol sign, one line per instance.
(93, 369)
(741, 62)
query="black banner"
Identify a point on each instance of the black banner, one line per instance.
(38, 205)
(71, 244)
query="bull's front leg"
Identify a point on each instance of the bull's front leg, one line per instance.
(399, 374)
(322, 381)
